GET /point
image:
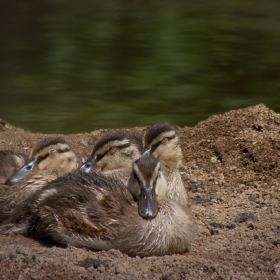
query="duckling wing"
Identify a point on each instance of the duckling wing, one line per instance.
(13, 196)
(81, 210)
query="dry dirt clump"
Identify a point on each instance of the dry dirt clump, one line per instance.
(232, 172)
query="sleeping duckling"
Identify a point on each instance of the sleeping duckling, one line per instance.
(49, 159)
(52, 153)
(10, 162)
(93, 211)
(114, 154)
(162, 141)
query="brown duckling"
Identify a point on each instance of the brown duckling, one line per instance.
(52, 153)
(49, 159)
(162, 141)
(93, 211)
(10, 162)
(114, 154)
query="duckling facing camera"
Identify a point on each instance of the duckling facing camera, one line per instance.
(114, 154)
(94, 211)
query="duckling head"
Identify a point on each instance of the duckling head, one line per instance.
(162, 141)
(147, 184)
(52, 153)
(115, 151)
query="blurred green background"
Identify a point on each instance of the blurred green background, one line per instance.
(76, 66)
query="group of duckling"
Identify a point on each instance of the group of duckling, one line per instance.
(127, 196)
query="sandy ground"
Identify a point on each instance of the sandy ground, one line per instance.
(232, 172)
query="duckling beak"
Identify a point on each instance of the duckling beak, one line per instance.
(147, 152)
(22, 172)
(89, 165)
(147, 203)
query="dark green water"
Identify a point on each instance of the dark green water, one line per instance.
(76, 66)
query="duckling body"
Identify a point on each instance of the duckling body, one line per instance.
(10, 162)
(162, 142)
(95, 211)
(49, 159)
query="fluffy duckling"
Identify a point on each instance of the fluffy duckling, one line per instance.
(114, 154)
(49, 159)
(10, 162)
(162, 141)
(93, 211)
(52, 153)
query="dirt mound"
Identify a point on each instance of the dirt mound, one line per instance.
(231, 170)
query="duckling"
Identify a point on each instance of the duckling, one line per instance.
(52, 153)
(93, 211)
(162, 141)
(10, 162)
(114, 154)
(49, 159)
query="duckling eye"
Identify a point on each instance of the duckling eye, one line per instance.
(164, 140)
(112, 149)
(52, 152)
(29, 167)
(87, 164)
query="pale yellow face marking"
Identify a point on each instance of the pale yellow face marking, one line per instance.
(155, 173)
(157, 176)
(139, 174)
(65, 161)
(170, 152)
(46, 150)
(142, 177)
(161, 136)
(110, 144)
(121, 159)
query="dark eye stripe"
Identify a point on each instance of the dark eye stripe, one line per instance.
(158, 144)
(60, 151)
(99, 157)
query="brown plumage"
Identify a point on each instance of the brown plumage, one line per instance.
(52, 153)
(163, 142)
(10, 162)
(114, 154)
(49, 159)
(94, 211)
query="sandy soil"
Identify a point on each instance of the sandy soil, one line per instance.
(231, 170)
